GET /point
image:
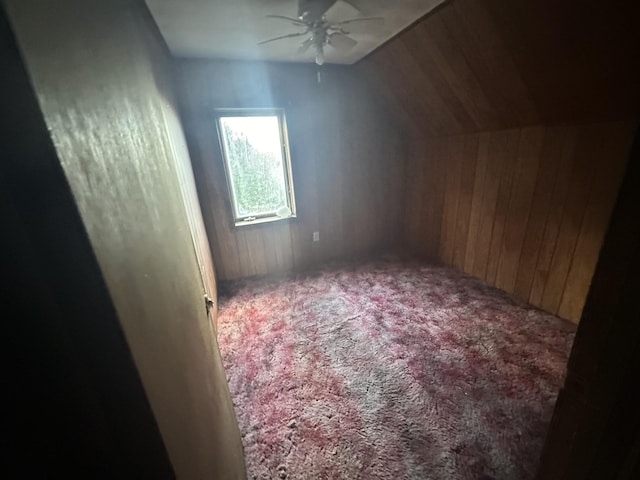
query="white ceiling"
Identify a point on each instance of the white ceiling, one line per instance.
(232, 28)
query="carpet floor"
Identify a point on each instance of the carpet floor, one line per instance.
(389, 370)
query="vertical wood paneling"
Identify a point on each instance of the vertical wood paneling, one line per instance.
(593, 432)
(498, 145)
(523, 209)
(526, 171)
(465, 197)
(548, 171)
(451, 157)
(554, 218)
(616, 142)
(475, 217)
(346, 160)
(506, 156)
(587, 155)
(433, 197)
(527, 209)
(415, 210)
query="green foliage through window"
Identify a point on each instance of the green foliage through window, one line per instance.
(256, 164)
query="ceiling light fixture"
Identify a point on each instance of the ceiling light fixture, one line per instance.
(321, 33)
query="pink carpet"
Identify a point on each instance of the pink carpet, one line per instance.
(389, 370)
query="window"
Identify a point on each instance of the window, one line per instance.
(256, 160)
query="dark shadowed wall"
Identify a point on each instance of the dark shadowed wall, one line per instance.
(489, 65)
(74, 403)
(595, 429)
(102, 96)
(347, 159)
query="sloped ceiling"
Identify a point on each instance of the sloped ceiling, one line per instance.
(477, 65)
(231, 29)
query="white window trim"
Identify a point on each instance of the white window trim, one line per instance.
(238, 220)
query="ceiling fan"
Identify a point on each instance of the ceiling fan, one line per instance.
(321, 32)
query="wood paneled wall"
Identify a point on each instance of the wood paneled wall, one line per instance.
(98, 69)
(484, 65)
(523, 209)
(594, 432)
(496, 186)
(75, 404)
(347, 160)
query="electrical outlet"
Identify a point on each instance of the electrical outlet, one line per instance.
(316, 236)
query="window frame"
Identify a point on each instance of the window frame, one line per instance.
(270, 217)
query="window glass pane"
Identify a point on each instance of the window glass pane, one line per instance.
(255, 163)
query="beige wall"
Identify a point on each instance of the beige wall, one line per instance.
(102, 98)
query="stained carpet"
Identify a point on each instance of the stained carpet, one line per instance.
(389, 370)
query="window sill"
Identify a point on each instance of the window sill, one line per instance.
(263, 221)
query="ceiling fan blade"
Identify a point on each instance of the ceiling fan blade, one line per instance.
(361, 25)
(340, 41)
(291, 35)
(304, 46)
(295, 21)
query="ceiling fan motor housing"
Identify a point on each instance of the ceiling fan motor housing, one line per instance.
(311, 17)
